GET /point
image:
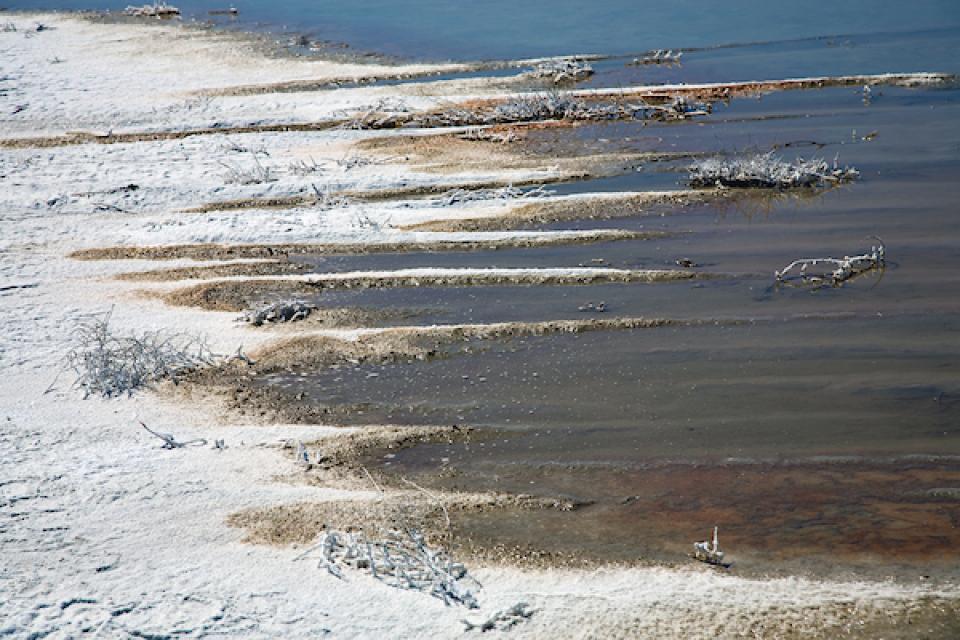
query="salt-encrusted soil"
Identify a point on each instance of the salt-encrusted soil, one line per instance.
(101, 530)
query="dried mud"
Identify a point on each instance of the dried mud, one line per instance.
(339, 461)
(87, 137)
(483, 111)
(531, 214)
(452, 153)
(381, 195)
(267, 251)
(408, 343)
(245, 269)
(718, 91)
(301, 523)
(236, 295)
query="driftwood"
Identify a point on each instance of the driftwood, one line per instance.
(432, 496)
(353, 161)
(553, 106)
(838, 270)
(767, 171)
(12, 287)
(531, 107)
(376, 115)
(375, 484)
(401, 559)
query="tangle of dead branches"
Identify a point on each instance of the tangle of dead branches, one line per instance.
(109, 365)
(767, 171)
(402, 559)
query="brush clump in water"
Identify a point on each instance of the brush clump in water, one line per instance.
(767, 171)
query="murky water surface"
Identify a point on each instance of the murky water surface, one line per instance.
(822, 434)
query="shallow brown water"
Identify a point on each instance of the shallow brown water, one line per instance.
(822, 435)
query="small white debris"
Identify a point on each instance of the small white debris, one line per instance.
(286, 311)
(659, 56)
(562, 70)
(502, 620)
(155, 10)
(709, 552)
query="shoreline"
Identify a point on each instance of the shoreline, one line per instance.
(106, 531)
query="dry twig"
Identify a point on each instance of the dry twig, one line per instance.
(432, 496)
(169, 442)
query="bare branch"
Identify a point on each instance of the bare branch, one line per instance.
(169, 442)
(434, 497)
(839, 269)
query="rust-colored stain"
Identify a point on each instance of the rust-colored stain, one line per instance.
(803, 509)
(840, 514)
